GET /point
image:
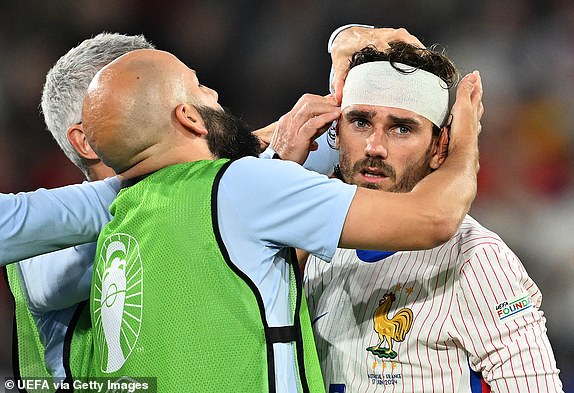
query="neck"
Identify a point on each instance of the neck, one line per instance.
(156, 158)
(99, 171)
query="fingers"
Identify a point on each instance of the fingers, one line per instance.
(312, 105)
(469, 92)
(467, 109)
(338, 83)
(382, 36)
(317, 125)
(296, 131)
(356, 38)
(476, 96)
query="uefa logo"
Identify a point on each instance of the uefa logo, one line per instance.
(117, 300)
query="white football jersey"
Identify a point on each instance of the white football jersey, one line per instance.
(462, 317)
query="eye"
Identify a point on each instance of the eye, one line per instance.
(402, 130)
(360, 122)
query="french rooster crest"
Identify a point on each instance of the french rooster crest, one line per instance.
(390, 329)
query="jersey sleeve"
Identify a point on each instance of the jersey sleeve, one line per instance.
(58, 280)
(42, 221)
(281, 204)
(500, 322)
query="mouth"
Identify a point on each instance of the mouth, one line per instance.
(371, 174)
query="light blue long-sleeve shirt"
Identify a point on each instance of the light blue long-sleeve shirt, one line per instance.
(42, 221)
(263, 205)
(45, 220)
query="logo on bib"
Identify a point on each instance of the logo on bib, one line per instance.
(117, 300)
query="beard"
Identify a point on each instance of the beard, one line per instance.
(227, 135)
(412, 174)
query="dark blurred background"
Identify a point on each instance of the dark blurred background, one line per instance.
(261, 56)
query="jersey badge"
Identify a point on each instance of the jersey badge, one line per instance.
(390, 329)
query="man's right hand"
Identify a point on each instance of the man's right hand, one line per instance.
(297, 130)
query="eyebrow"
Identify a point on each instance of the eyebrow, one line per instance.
(358, 113)
(408, 121)
(369, 115)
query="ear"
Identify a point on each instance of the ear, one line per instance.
(78, 140)
(190, 119)
(440, 149)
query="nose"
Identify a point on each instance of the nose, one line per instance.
(376, 145)
(213, 93)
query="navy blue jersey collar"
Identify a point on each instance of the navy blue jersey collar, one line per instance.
(373, 256)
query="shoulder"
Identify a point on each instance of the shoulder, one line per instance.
(483, 252)
(281, 177)
(264, 166)
(473, 237)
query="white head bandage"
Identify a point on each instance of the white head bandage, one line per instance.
(378, 83)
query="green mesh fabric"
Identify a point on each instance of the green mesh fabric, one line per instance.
(187, 318)
(81, 345)
(311, 359)
(164, 301)
(30, 349)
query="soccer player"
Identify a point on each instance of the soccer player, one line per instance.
(461, 317)
(195, 267)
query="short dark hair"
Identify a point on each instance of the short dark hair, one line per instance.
(428, 59)
(432, 59)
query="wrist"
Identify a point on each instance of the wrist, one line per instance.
(268, 153)
(337, 31)
(332, 38)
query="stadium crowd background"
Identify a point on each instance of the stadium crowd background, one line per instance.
(261, 56)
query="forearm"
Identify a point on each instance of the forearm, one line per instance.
(38, 222)
(58, 280)
(449, 192)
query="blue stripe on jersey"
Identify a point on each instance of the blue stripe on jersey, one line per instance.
(477, 384)
(373, 256)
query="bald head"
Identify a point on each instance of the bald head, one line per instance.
(131, 103)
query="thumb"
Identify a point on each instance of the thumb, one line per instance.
(467, 83)
(464, 92)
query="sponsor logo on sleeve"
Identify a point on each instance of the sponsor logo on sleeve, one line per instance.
(508, 310)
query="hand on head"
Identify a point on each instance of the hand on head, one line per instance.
(356, 38)
(297, 130)
(467, 110)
